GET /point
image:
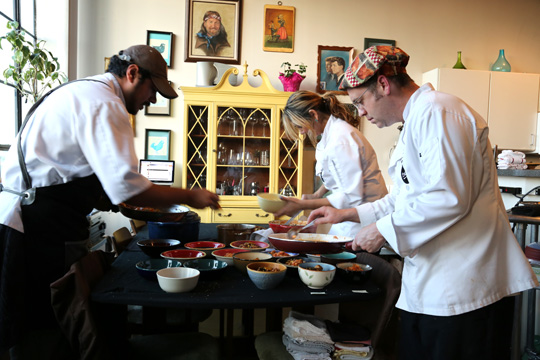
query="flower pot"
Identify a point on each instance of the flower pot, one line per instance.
(291, 83)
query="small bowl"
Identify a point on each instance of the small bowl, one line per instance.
(178, 279)
(209, 268)
(227, 254)
(315, 279)
(278, 226)
(266, 275)
(183, 255)
(278, 254)
(354, 276)
(154, 247)
(338, 258)
(293, 269)
(250, 245)
(241, 260)
(148, 268)
(270, 202)
(206, 246)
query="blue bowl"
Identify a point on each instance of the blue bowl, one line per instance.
(209, 268)
(266, 275)
(338, 258)
(148, 268)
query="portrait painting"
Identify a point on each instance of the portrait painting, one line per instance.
(333, 61)
(213, 31)
(278, 28)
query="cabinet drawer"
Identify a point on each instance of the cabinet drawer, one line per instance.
(244, 215)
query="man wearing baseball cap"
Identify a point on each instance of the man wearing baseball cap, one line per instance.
(444, 216)
(75, 149)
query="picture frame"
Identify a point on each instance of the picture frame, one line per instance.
(223, 47)
(131, 117)
(162, 107)
(279, 28)
(368, 42)
(332, 58)
(162, 41)
(157, 144)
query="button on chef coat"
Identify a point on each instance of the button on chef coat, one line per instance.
(347, 165)
(80, 129)
(449, 222)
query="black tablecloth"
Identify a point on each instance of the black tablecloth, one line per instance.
(230, 290)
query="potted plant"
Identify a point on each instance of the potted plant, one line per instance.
(34, 69)
(291, 77)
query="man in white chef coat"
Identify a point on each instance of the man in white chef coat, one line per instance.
(444, 216)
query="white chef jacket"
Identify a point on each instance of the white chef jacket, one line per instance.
(347, 166)
(80, 129)
(445, 214)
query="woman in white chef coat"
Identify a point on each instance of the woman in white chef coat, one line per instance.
(346, 162)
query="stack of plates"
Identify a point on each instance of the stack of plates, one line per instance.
(532, 251)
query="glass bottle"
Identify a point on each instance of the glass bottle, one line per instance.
(501, 64)
(459, 64)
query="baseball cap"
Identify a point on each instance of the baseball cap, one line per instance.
(151, 60)
(383, 60)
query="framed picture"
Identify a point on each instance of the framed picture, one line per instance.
(331, 66)
(162, 107)
(131, 117)
(278, 28)
(213, 30)
(157, 144)
(162, 42)
(368, 42)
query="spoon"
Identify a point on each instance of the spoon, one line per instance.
(293, 217)
(293, 233)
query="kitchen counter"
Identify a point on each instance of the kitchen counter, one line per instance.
(519, 173)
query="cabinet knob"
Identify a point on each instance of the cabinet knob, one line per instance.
(224, 215)
(265, 215)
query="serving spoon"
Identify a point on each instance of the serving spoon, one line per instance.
(293, 233)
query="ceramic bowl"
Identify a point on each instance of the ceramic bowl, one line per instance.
(183, 255)
(250, 245)
(278, 226)
(209, 268)
(206, 246)
(148, 268)
(316, 279)
(270, 202)
(338, 258)
(154, 247)
(292, 263)
(178, 279)
(266, 275)
(227, 254)
(310, 243)
(353, 272)
(241, 260)
(278, 254)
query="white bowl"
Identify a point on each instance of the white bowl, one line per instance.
(178, 279)
(315, 279)
(270, 202)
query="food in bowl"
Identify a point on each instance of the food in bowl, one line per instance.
(241, 260)
(310, 243)
(316, 275)
(266, 275)
(354, 272)
(292, 263)
(278, 226)
(251, 245)
(227, 254)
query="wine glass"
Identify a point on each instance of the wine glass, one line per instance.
(234, 124)
(253, 121)
(222, 123)
(264, 121)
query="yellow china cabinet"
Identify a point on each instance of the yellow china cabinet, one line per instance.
(234, 145)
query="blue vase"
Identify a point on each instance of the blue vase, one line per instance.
(501, 64)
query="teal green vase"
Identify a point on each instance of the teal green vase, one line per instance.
(459, 64)
(501, 64)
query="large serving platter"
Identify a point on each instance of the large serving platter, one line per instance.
(169, 214)
(310, 243)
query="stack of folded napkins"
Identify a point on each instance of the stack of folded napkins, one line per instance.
(509, 159)
(261, 235)
(351, 341)
(306, 337)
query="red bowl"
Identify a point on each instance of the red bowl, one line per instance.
(278, 226)
(250, 245)
(310, 243)
(183, 255)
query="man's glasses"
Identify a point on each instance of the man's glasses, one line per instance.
(359, 101)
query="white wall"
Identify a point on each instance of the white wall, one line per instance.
(431, 32)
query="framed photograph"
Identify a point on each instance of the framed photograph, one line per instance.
(162, 42)
(331, 66)
(162, 107)
(368, 42)
(278, 28)
(213, 31)
(131, 117)
(157, 145)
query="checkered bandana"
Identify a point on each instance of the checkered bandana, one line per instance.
(384, 60)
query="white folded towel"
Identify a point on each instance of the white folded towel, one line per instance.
(261, 235)
(509, 159)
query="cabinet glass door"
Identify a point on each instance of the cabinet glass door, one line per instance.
(243, 150)
(288, 164)
(197, 147)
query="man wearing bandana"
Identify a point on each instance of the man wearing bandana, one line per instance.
(212, 39)
(444, 216)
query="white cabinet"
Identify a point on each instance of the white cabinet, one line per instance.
(508, 102)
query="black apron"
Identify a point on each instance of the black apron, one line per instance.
(56, 230)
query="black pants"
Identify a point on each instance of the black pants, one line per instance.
(484, 334)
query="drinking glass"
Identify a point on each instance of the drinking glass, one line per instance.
(232, 157)
(253, 121)
(264, 122)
